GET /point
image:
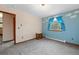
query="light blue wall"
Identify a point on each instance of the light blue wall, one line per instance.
(71, 25)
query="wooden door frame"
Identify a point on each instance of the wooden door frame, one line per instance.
(14, 25)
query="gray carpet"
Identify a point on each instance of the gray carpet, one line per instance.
(38, 47)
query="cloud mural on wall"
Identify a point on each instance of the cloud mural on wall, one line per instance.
(73, 16)
(76, 11)
(68, 15)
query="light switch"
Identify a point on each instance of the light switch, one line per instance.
(20, 24)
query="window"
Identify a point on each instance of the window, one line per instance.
(56, 24)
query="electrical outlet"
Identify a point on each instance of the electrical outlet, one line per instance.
(72, 38)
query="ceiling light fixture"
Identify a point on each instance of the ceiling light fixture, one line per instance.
(42, 4)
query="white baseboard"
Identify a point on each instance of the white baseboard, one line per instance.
(64, 41)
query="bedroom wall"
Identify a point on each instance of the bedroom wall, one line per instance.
(71, 34)
(29, 25)
(26, 24)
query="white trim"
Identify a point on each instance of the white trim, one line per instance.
(64, 41)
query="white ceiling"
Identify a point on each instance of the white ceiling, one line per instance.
(43, 11)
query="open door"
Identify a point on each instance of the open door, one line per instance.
(9, 27)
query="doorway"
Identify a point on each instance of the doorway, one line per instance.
(7, 27)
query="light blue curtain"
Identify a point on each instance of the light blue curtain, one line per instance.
(50, 21)
(60, 20)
